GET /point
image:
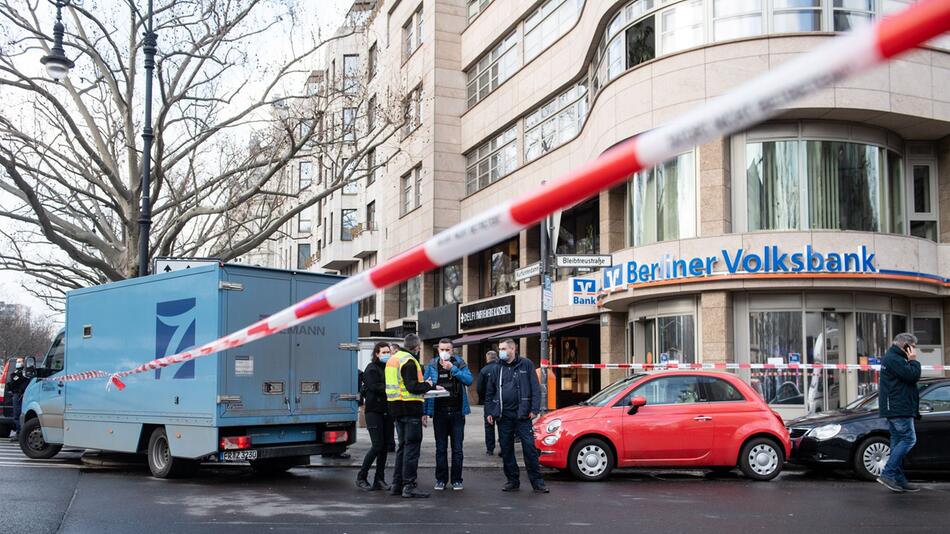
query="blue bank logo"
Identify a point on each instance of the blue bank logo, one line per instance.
(583, 291)
(175, 332)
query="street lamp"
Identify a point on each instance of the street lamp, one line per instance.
(56, 62)
(58, 65)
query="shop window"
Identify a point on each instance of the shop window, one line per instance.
(497, 273)
(669, 339)
(448, 284)
(492, 161)
(663, 202)
(773, 336)
(927, 330)
(410, 297)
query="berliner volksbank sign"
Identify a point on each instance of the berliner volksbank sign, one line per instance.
(771, 259)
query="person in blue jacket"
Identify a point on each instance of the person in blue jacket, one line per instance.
(448, 412)
(899, 403)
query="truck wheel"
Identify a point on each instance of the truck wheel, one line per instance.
(5, 431)
(161, 462)
(273, 466)
(591, 460)
(32, 443)
(871, 456)
(761, 459)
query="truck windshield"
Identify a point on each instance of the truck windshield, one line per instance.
(55, 360)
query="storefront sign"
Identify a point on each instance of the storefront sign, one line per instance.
(584, 260)
(530, 271)
(488, 313)
(770, 260)
(583, 291)
(439, 322)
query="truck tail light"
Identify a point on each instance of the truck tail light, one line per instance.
(3, 379)
(335, 436)
(235, 443)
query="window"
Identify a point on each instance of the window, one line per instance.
(850, 13)
(493, 160)
(475, 7)
(410, 296)
(305, 176)
(556, 122)
(412, 111)
(790, 16)
(303, 221)
(347, 224)
(371, 114)
(927, 330)
(579, 233)
(418, 186)
(448, 284)
(405, 204)
(682, 26)
(370, 166)
(670, 390)
(371, 216)
(303, 256)
(412, 33)
(331, 227)
(718, 390)
(351, 73)
(776, 335)
(372, 61)
(349, 124)
(367, 309)
(663, 202)
(772, 178)
(56, 359)
(547, 23)
(923, 212)
(497, 272)
(493, 68)
(936, 399)
(736, 18)
(411, 190)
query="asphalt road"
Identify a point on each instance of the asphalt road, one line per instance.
(61, 496)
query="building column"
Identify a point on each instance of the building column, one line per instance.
(613, 204)
(943, 189)
(718, 334)
(470, 278)
(715, 190)
(613, 346)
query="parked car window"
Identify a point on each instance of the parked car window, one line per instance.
(938, 398)
(670, 390)
(605, 395)
(718, 390)
(55, 358)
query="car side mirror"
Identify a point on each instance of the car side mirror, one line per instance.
(635, 404)
(925, 407)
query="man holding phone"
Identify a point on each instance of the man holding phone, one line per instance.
(899, 403)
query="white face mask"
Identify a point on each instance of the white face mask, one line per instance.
(445, 354)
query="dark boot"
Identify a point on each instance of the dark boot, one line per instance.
(511, 486)
(412, 492)
(363, 484)
(381, 485)
(395, 489)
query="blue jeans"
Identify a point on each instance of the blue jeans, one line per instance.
(508, 429)
(448, 424)
(903, 439)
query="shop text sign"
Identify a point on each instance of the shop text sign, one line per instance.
(488, 313)
(769, 260)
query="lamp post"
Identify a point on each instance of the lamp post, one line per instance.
(58, 65)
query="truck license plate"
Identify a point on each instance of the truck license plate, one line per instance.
(238, 456)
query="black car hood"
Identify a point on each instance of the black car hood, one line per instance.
(838, 416)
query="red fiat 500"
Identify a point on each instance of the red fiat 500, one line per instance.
(670, 419)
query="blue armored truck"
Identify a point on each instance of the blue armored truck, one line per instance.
(273, 402)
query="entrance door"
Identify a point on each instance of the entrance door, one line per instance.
(823, 346)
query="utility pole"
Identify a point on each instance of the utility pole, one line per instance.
(546, 298)
(145, 215)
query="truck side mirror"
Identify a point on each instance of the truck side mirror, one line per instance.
(29, 367)
(635, 404)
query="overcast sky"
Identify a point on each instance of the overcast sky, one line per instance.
(325, 14)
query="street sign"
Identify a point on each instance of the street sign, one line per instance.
(547, 295)
(530, 271)
(167, 265)
(584, 260)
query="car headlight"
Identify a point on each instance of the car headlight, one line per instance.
(550, 440)
(553, 425)
(825, 432)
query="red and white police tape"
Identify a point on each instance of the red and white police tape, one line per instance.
(745, 105)
(714, 366)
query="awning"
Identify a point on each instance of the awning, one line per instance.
(479, 336)
(536, 329)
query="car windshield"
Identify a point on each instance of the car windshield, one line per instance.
(869, 402)
(609, 392)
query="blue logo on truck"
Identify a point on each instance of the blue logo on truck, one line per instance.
(175, 332)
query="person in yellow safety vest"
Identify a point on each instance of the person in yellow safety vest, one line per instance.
(404, 392)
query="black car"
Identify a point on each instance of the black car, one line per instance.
(856, 437)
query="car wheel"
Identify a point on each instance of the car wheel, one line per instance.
(160, 460)
(273, 466)
(871, 456)
(5, 431)
(32, 442)
(591, 460)
(761, 459)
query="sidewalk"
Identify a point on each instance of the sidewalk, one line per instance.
(474, 448)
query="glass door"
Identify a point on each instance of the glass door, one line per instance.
(823, 346)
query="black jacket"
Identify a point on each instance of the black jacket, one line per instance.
(515, 379)
(483, 379)
(411, 380)
(897, 395)
(374, 387)
(18, 382)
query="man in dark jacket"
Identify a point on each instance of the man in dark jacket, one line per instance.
(404, 391)
(899, 403)
(448, 413)
(491, 361)
(513, 399)
(18, 384)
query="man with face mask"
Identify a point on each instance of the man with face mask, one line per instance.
(448, 413)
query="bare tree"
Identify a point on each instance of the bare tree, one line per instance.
(24, 334)
(231, 113)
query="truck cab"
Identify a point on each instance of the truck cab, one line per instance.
(41, 419)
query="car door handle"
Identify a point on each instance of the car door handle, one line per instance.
(702, 418)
